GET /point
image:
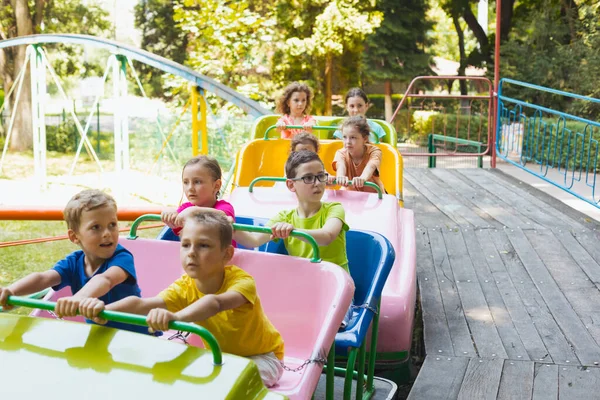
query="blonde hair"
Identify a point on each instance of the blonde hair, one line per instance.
(282, 102)
(86, 200)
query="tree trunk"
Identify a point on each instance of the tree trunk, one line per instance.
(473, 24)
(328, 79)
(506, 19)
(22, 138)
(463, 55)
(388, 100)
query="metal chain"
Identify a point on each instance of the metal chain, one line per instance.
(322, 361)
(367, 307)
(54, 315)
(181, 336)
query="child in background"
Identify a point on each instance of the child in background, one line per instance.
(214, 294)
(359, 160)
(357, 104)
(201, 179)
(102, 268)
(305, 141)
(294, 104)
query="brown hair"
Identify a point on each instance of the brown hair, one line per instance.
(360, 123)
(214, 220)
(86, 200)
(207, 162)
(356, 92)
(305, 138)
(282, 102)
(296, 159)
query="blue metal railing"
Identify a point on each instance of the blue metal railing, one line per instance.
(558, 147)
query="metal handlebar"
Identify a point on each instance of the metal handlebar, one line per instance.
(317, 127)
(138, 221)
(130, 319)
(280, 179)
(238, 227)
(301, 235)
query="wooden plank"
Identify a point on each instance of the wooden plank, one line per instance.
(582, 294)
(481, 324)
(445, 201)
(513, 344)
(578, 383)
(440, 378)
(554, 341)
(457, 323)
(492, 205)
(572, 217)
(426, 213)
(520, 200)
(517, 380)
(435, 325)
(574, 331)
(482, 379)
(545, 382)
(558, 261)
(589, 241)
(519, 316)
(580, 254)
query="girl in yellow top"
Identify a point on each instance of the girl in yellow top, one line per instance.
(222, 298)
(359, 160)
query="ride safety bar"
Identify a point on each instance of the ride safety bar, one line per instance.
(130, 319)
(282, 179)
(238, 227)
(317, 127)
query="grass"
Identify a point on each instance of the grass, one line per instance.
(20, 165)
(19, 261)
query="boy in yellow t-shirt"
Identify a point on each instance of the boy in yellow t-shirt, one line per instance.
(220, 297)
(325, 222)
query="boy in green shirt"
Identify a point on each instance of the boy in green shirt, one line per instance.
(325, 222)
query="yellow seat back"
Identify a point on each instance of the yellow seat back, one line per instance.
(267, 158)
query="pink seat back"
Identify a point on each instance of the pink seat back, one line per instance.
(305, 301)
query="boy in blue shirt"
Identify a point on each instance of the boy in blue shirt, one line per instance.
(101, 269)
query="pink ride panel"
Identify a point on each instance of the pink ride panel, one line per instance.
(363, 211)
(305, 301)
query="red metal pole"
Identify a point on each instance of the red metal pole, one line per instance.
(496, 78)
(56, 214)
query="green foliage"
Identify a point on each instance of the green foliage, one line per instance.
(161, 35)
(543, 51)
(377, 109)
(313, 30)
(395, 50)
(231, 42)
(424, 122)
(442, 39)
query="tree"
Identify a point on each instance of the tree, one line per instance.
(396, 50)
(230, 42)
(318, 33)
(22, 17)
(161, 35)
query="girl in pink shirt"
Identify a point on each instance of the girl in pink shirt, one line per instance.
(201, 179)
(295, 104)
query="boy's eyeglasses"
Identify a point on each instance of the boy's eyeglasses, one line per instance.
(310, 179)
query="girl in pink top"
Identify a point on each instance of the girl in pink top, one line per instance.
(201, 178)
(295, 104)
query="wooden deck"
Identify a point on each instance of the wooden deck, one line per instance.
(509, 286)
